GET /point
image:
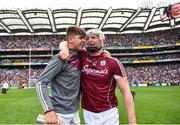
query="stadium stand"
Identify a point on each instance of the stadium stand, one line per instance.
(115, 40)
(15, 64)
(144, 39)
(152, 74)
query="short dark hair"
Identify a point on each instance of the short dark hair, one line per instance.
(75, 30)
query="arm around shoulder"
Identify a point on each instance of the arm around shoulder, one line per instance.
(64, 53)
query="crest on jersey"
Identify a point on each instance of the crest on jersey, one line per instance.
(103, 63)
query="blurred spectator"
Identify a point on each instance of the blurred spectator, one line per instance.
(133, 93)
(5, 87)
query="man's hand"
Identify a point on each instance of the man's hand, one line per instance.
(106, 53)
(64, 54)
(51, 118)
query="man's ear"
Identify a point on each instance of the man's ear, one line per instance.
(70, 38)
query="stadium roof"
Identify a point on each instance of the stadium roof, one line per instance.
(47, 21)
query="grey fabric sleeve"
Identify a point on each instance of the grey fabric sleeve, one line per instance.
(53, 68)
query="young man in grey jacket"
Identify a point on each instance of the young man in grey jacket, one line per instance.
(64, 80)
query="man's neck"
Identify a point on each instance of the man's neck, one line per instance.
(96, 53)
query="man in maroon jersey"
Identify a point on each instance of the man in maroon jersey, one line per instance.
(99, 78)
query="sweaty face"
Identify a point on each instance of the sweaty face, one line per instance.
(78, 42)
(93, 43)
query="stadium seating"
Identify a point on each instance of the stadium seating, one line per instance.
(168, 72)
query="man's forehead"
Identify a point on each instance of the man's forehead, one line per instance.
(79, 35)
(92, 35)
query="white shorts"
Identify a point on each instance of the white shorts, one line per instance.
(108, 117)
(70, 119)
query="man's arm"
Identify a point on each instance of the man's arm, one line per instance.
(49, 73)
(128, 99)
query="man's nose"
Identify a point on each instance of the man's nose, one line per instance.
(83, 40)
(89, 41)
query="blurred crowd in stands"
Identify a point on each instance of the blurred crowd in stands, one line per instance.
(153, 57)
(117, 40)
(149, 74)
(18, 77)
(43, 41)
(122, 58)
(137, 74)
(143, 39)
(40, 60)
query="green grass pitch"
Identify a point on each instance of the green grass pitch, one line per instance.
(154, 105)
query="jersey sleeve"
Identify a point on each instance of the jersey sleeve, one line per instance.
(117, 69)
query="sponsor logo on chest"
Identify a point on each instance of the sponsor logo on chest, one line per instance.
(88, 70)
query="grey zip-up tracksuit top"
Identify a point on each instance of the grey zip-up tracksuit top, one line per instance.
(64, 79)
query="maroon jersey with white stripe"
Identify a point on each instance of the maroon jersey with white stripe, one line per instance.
(98, 83)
